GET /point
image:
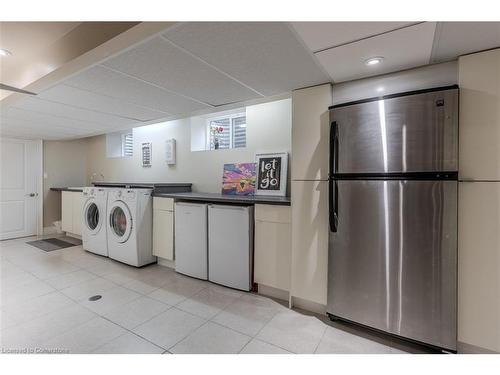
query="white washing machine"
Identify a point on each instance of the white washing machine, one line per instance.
(130, 226)
(94, 220)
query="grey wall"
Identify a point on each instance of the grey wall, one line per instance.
(64, 164)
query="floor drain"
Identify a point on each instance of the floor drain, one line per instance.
(95, 298)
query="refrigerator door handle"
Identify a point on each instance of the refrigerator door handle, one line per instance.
(334, 148)
(333, 202)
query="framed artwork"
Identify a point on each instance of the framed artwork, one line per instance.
(146, 154)
(238, 179)
(271, 170)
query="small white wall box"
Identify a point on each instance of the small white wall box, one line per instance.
(170, 151)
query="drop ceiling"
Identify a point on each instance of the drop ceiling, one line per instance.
(191, 67)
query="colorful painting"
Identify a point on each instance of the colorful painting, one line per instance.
(238, 179)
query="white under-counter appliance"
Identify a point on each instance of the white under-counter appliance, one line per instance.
(129, 226)
(191, 252)
(230, 245)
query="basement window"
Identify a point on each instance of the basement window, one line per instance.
(226, 132)
(120, 144)
(128, 144)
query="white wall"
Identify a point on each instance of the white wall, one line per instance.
(64, 164)
(268, 130)
(429, 76)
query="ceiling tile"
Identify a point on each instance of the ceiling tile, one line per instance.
(321, 35)
(47, 120)
(100, 103)
(62, 110)
(104, 81)
(459, 38)
(402, 49)
(159, 62)
(265, 56)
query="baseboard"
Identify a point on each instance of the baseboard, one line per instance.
(269, 291)
(166, 263)
(73, 235)
(305, 304)
(464, 348)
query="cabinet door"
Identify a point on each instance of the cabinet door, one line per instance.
(77, 213)
(479, 264)
(67, 212)
(479, 158)
(272, 258)
(310, 240)
(163, 234)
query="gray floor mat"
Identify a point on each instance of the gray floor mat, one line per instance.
(51, 244)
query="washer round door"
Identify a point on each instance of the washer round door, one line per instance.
(120, 221)
(93, 217)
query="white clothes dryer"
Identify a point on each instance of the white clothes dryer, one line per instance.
(129, 226)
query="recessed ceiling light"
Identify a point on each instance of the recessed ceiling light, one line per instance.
(374, 60)
(5, 52)
(380, 89)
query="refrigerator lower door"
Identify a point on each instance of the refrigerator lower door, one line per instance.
(191, 256)
(230, 243)
(393, 259)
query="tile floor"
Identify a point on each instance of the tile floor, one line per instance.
(44, 307)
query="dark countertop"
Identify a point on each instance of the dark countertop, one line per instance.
(76, 190)
(215, 197)
(163, 188)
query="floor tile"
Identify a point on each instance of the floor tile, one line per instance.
(211, 338)
(37, 331)
(136, 312)
(70, 279)
(247, 314)
(260, 347)
(86, 337)
(25, 311)
(129, 343)
(207, 303)
(336, 341)
(86, 289)
(293, 331)
(169, 327)
(111, 299)
(177, 290)
(12, 294)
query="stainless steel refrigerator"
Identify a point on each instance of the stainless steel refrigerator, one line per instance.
(393, 215)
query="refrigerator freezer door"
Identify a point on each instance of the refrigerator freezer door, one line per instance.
(414, 133)
(191, 240)
(230, 237)
(392, 261)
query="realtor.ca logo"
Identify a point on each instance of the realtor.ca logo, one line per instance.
(34, 351)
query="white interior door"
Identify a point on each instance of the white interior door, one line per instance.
(20, 187)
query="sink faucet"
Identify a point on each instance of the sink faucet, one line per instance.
(93, 176)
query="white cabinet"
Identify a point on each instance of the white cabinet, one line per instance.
(479, 116)
(310, 240)
(273, 250)
(310, 130)
(479, 264)
(163, 228)
(72, 212)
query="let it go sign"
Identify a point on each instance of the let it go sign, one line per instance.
(271, 173)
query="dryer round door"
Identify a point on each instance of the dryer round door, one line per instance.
(92, 216)
(120, 221)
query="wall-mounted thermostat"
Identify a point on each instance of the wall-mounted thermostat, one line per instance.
(170, 151)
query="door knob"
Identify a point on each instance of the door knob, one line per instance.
(31, 195)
